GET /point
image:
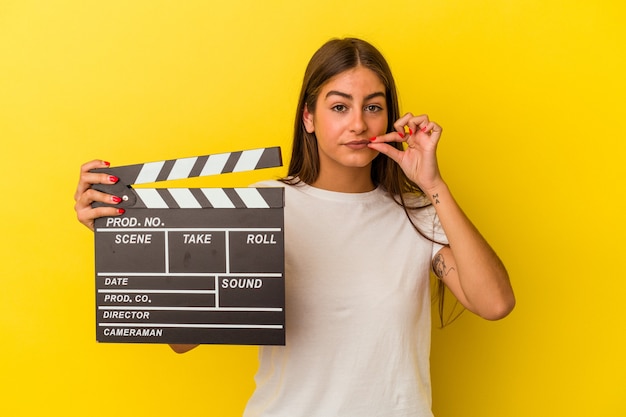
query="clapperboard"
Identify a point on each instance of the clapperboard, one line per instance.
(192, 265)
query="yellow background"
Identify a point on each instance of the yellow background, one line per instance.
(531, 96)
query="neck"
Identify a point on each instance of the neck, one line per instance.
(353, 180)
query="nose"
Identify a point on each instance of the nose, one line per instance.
(357, 123)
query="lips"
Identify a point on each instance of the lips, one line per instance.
(357, 144)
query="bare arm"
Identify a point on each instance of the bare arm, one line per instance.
(468, 266)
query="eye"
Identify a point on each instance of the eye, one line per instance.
(373, 108)
(340, 108)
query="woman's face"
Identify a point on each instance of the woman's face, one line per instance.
(351, 108)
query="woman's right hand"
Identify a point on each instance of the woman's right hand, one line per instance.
(85, 195)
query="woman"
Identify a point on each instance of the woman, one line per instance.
(367, 214)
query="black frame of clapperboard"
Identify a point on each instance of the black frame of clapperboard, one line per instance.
(195, 298)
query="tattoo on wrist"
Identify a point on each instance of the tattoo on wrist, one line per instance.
(436, 198)
(439, 266)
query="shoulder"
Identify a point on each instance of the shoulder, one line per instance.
(288, 182)
(424, 216)
(268, 183)
(289, 187)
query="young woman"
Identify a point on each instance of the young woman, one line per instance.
(367, 215)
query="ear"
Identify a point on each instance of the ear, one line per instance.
(307, 119)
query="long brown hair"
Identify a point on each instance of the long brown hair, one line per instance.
(333, 58)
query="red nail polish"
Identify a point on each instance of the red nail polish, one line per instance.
(410, 131)
(116, 199)
(401, 134)
(425, 128)
(121, 211)
(106, 163)
(373, 139)
(113, 178)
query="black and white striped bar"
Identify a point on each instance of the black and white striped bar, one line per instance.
(223, 198)
(197, 166)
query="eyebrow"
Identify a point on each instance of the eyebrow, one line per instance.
(349, 97)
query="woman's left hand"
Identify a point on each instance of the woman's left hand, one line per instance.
(419, 159)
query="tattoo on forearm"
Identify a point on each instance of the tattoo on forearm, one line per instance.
(439, 266)
(436, 198)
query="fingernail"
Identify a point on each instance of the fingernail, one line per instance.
(121, 211)
(113, 178)
(106, 163)
(410, 131)
(425, 128)
(401, 134)
(116, 199)
(373, 139)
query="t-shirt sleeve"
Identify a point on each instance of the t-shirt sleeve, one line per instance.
(438, 235)
(427, 221)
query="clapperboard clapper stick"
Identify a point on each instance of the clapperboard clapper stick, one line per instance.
(192, 265)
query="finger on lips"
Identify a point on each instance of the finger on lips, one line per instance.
(389, 137)
(408, 125)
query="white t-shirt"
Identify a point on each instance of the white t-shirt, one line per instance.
(357, 310)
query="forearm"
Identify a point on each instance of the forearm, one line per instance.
(483, 281)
